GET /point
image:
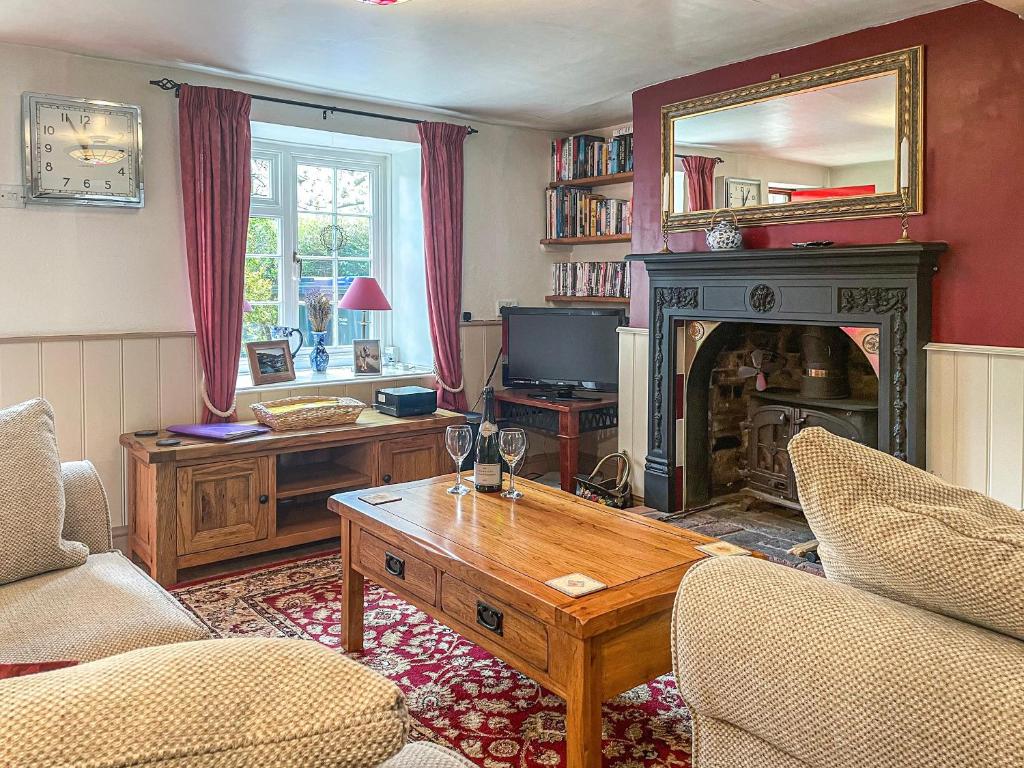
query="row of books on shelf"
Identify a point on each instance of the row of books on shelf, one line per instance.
(578, 212)
(590, 278)
(579, 157)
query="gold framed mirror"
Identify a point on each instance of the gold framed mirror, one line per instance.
(843, 142)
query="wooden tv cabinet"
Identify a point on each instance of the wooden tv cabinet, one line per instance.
(204, 501)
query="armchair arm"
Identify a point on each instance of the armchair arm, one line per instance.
(241, 702)
(86, 513)
(835, 676)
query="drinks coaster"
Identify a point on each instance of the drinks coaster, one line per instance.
(167, 442)
(576, 584)
(721, 549)
(376, 499)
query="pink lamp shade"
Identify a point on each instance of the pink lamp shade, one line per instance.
(365, 294)
(246, 307)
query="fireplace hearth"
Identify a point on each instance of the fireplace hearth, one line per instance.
(833, 309)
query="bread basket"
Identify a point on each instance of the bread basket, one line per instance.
(307, 412)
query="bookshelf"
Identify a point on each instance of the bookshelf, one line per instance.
(581, 214)
(595, 181)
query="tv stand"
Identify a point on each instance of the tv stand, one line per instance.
(565, 418)
(564, 394)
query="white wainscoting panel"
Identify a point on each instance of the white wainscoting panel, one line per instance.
(976, 418)
(103, 386)
(481, 343)
(633, 372)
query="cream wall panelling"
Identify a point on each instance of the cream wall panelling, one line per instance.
(633, 371)
(102, 386)
(976, 418)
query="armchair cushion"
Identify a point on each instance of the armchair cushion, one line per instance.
(898, 531)
(32, 496)
(106, 606)
(209, 704)
(839, 677)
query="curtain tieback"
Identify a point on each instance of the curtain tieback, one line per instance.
(445, 387)
(210, 406)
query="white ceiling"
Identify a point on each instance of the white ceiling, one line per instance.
(560, 64)
(847, 124)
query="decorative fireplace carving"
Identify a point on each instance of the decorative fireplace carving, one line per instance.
(882, 286)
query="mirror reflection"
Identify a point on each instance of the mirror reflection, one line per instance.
(833, 142)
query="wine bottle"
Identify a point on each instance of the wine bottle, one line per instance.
(487, 460)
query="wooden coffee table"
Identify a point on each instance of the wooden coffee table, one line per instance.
(478, 564)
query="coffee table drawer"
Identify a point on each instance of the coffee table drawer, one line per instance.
(523, 636)
(379, 559)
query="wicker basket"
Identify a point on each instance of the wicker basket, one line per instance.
(308, 412)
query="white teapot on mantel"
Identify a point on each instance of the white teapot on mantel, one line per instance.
(725, 235)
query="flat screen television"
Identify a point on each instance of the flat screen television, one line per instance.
(561, 349)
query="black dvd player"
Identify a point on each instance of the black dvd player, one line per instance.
(406, 401)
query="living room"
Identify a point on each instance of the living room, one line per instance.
(632, 388)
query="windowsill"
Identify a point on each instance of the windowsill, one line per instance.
(340, 375)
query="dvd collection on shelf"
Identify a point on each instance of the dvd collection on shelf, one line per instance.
(579, 157)
(590, 279)
(578, 212)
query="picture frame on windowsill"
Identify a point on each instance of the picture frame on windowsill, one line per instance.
(366, 358)
(270, 362)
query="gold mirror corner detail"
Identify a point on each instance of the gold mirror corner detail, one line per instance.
(907, 114)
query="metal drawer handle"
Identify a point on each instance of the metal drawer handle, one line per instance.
(386, 478)
(394, 565)
(489, 618)
(264, 499)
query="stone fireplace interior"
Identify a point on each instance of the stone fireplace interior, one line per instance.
(749, 387)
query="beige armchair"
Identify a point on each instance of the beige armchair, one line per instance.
(155, 691)
(782, 669)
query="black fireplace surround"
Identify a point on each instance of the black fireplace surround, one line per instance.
(884, 286)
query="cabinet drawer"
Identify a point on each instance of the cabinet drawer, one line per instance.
(523, 636)
(393, 565)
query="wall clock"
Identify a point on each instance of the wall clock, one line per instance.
(741, 193)
(82, 152)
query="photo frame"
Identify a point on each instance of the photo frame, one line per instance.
(270, 362)
(366, 358)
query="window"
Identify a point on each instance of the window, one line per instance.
(317, 219)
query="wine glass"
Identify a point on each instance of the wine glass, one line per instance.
(512, 446)
(458, 441)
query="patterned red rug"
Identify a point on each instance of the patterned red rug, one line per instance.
(458, 694)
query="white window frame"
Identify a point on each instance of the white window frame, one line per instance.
(285, 158)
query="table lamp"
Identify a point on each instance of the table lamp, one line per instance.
(364, 294)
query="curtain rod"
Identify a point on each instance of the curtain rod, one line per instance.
(166, 84)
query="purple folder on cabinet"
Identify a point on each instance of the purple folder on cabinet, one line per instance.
(218, 431)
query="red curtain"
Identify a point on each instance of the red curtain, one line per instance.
(215, 142)
(700, 181)
(442, 168)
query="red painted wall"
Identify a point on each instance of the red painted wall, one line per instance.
(974, 164)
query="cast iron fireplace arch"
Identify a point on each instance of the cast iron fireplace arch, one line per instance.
(886, 286)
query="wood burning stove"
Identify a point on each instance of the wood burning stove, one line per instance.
(775, 418)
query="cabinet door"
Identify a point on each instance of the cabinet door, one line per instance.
(417, 457)
(223, 504)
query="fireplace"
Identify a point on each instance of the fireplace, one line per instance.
(824, 316)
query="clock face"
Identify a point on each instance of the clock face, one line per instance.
(80, 151)
(743, 193)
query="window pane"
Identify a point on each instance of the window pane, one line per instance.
(350, 326)
(354, 191)
(315, 186)
(306, 330)
(256, 324)
(357, 236)
(260, 170)
(316, 234)
(316, 274)
(262, 279)
(349, 269)
(263, 236)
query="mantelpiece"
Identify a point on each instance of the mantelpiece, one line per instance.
(883, 286)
